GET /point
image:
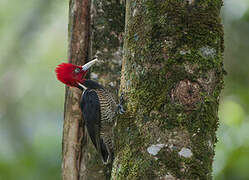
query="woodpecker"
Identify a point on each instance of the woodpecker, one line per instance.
(97, 105)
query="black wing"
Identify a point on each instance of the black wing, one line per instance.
(90, 107)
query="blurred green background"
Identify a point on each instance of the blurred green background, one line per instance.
(33, 40)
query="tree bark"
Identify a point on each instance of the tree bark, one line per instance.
(108, 29)
(172, 75)
(78, 53)
(80, 159)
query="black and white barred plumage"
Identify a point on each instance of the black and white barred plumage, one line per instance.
(99, 109)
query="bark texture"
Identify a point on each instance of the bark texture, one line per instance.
(78, 53)
(107, 27)
(108, 21)
(80, 159)
(172, 75)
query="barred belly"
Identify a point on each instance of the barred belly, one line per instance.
(108, 111)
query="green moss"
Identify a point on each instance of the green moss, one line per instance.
(172, 162)
(161, 38)
(132, 165)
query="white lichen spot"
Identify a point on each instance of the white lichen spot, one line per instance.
(190, 1)
(210, 144)
(207, 52)
(127, 84)
(183, 52)
(94, 75)
(134, 12)
(74, 7)
(171, 146)
(168, 43)
(185, 152)
(111, 84)
(155, 148)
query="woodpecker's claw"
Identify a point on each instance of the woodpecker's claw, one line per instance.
(121, 109)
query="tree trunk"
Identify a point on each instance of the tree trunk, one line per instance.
(80, 159)
(78, 53)
(172, 75)
(108, 29)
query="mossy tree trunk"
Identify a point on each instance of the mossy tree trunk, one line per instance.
(108, 21)
(172, 75)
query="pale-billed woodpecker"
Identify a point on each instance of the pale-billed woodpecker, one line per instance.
(97, 105)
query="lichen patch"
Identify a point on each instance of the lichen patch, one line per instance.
(134, 12)
(207, 52)
(185, 152)
(155, 148)
(183, 52)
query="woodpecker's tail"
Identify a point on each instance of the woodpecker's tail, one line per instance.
(106, 152)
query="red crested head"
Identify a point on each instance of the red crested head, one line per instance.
(73, 75)
(70, 74)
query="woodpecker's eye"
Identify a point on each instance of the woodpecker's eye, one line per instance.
(77, 70)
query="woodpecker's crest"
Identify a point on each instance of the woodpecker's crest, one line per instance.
(73, 75)
(70, 74)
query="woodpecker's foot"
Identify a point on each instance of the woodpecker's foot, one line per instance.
(121, 109)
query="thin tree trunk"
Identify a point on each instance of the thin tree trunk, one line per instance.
(78, 53)
(80, 159)
(172, 75)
